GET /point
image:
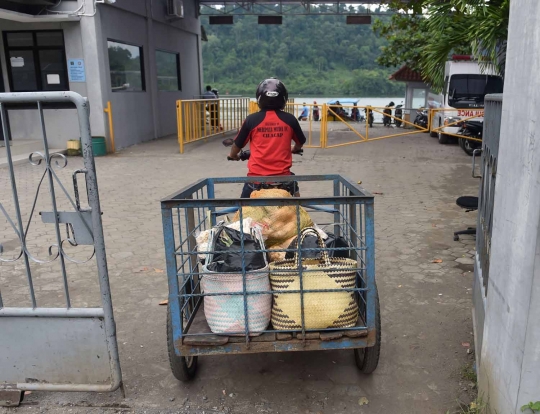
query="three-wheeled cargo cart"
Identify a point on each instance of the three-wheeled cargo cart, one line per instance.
(347, 211)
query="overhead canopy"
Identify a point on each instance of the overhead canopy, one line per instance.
(31, 18)
(289, 7)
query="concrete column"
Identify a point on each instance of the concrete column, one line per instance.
(94, 46)
(509, 374)
(152, 71)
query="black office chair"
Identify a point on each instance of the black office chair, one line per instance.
(469, 203)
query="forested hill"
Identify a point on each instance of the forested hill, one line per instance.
(313, 55)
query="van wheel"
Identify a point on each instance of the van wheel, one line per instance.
(443, 138)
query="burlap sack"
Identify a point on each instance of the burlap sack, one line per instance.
(279, 223)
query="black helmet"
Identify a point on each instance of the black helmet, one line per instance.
(272, 94)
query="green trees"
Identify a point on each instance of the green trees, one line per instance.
(424, 33)
(313, 55)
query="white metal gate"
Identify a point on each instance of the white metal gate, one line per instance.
(50, 338)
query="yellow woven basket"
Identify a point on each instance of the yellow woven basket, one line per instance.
(321, 309)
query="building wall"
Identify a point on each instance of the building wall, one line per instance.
(142, 116)
(133, 111)
(62, 125)
(138, 116)
(169, 39)
(410, 112)
(509, 375)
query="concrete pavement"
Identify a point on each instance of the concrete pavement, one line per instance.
(426, 303)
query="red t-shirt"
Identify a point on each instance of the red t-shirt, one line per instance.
(269, 134)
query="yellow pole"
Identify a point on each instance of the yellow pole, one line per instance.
(180, 125)
(321, 134)
(197, 119)
(368, 114)
(108, 111)
(323, 126)
(205, 131)
(188, 122)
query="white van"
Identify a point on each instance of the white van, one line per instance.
(465, 86)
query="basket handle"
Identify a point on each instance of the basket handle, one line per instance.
(212, 237)
(320, 242)
(215, 231)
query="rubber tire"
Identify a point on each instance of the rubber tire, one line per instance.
(367, 359)
(181, 369)
(433, 134)
(443, 138)
(468, 150)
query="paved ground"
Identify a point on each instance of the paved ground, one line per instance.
(426, 306)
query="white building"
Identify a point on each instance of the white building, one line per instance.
(141, 55)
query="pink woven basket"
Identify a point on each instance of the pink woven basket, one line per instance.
(225, 313)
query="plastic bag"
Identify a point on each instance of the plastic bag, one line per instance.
(204, 236)
(227, 246)
(310, 242)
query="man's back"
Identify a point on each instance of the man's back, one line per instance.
(269, 134)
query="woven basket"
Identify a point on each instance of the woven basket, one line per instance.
(225, 313)
(321, 309)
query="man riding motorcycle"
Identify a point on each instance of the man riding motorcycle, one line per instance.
(269, 133)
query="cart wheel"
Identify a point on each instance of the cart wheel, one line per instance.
(183, 368)
(367, 359)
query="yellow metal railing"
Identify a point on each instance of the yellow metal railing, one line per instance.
(204, 118)
(200, 119)
(312, 126)
(253, 107)
(444, 117)
(108, 111)
(342, 115)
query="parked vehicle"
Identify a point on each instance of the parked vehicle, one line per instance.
(422, 118)
(471, 129)
(369, 117)
(387, 117)
(337, 106)
(398, 115)
(466, 85)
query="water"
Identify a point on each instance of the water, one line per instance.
(375, 102)
(378, 102)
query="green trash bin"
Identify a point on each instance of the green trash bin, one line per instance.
(99, 146)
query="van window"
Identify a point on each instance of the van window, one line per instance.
(473, 88)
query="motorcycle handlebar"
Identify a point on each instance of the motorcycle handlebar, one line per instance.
(244, 155)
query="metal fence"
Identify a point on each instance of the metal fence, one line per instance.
(490, 153)
(51, 243)
(447, 121)
(350, 124)
(203, 118)
(486, 197)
